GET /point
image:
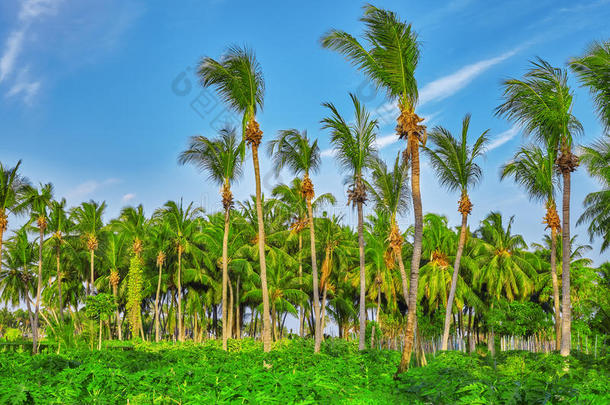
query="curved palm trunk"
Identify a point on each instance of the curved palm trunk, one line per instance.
(261, 252)
(362, 334)
(314, 273)
(225, 278)
(403, 279)
(417, 244)
(454, 278)
(566, 310)
(38, 289)
(157, 331)
(301, 311)
(61, 303)
(180, 326)
(555, 288)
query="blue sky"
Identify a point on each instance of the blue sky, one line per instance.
(99, 97)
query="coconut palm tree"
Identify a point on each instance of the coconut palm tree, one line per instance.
(115, 255)
(390, 192)
(534, 169)
(38, 202)
(88, 219)
(221, 158)
(293, 149)
(541, 104)
(183, 227)
(389, 58)
(159, 238)
(355, 152)
(597, 204)
(238, 78)
(12, 188)
(60, 227)
(453, 161)
(593, 70)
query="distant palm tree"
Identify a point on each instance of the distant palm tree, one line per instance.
(534, 169)
(88, 219)
(38, 202)
(221, 158)
(390, 191)
(295, 150)
(541, 104)
(390, 62)
(182, 227)
(12, 188)
(356, 151)
(238, 79)
(115, 254)
(453, 160)
(159, 242)
(593, 70)
(61, 227)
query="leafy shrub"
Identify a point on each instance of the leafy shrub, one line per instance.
(12, 334)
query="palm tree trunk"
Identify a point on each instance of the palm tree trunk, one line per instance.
(417, 244)
(237, 310)
(180, 327)
(301, 310)
(99, 340)
(314, 273)
(555, 288)
(225, 277)
(323, 313)
(261, 252)
(403, 279)
(3, 225)
(362, 334)
(61, 303)
(454, 278)
(157, 332)
(118, 314)
(91, 265)
(566, 310)
(38, 289)
(30, 314)
(230, 311)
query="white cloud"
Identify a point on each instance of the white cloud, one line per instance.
(128, 197)
(446, 86)
(502, 138)
(24, 86)
(11, 51)
(89, 187)
(30, 9)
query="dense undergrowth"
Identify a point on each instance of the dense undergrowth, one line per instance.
(189, 374)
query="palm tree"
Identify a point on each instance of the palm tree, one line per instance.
(597, 204)
(593, 70)
(390, 192)
(221, 158)
(60, 226)
(238, 79)
(295, 150)
(88, 219)
(534, 169)
(182, 226)
(38, 201)
(390, 62)
(115, 255)
(356, 151)
(12, 187)
(159, 240)
(453, 160)
(541, 104)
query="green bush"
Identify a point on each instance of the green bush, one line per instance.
(12, 334)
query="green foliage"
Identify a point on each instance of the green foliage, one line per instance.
(100, 306)
(12, 334)
(134, 293)
(518, 318)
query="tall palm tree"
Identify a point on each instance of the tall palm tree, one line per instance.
(60, 226)
(356, 151)
(534, 169)
(115, 255)
(390, 191)
(88, 219)
(238, 78)
(453, 160)
(293, 149)
(593, 70)
(159, 242)
(597, 204)
(221, 158)
(182, 226)
(541, 104)
(12, 187)
(390, 62)
(38, 202)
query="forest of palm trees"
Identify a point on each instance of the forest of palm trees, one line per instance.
(282, 265)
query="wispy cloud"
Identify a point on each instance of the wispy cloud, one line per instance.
(30, 11)
(502, 138)
(89, 187)
(128, 197)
